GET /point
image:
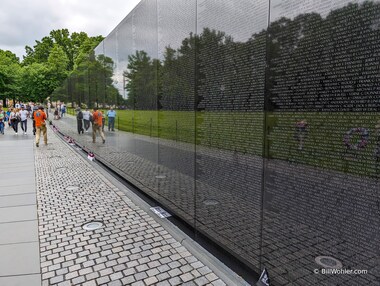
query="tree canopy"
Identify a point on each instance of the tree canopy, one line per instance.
(45, 66)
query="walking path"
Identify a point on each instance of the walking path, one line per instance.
(131, 248)
(19, 247)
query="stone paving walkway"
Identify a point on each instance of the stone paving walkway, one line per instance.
(19, 246)
(132, 248)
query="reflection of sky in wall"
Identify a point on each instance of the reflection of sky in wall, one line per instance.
(175, 23)
(111, 50)
(292, 8)
(125, 48)
(239, 18)
(144, 28)
(99, 49)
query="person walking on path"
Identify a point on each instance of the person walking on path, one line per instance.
(97, 118)
(80, 121)
(86, 119)
(111, 114)
(35, 109)
(14, 117)
(24, 114)
(2, 120)
(7, 115)
(40, 120)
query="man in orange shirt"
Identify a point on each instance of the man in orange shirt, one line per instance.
(97, 118)
(40, 120)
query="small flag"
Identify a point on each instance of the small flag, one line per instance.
(91, 156)
(264, 279)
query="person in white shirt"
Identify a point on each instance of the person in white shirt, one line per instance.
(86, 119)
(24, 114)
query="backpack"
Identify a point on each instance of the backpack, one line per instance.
(80, 115)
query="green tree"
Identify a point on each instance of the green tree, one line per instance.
(10, 71)
(36, 83)
(90, 82)
(57, 65)
(40, 52)
(55, 57)
(71, 45)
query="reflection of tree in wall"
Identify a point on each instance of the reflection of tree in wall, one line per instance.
(314, 63)
(326, 64)
(90, 83)
(142, 81)
(232, 73)
(177, 76)
(212, 62)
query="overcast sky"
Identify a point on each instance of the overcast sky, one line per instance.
(24, 21)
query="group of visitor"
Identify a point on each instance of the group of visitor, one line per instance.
(85, 118)
(19, 114)
(15, 116)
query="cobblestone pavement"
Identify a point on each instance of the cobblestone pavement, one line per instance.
(130, 249)
(308, 211)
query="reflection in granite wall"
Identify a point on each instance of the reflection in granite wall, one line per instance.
(254, 121)
(321, 178)
(177, 101)
(231, 69)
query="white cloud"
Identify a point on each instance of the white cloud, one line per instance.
(24, 21)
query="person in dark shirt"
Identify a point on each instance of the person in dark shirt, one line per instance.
(80, 121)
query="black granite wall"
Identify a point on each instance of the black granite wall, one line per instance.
(255, 121)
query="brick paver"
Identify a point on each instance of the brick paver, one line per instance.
(130, 249)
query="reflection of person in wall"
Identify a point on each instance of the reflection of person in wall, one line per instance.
(300, 133)
(111, 114)
(97, 118)
(80, 121)
(63, 110)
(86, 119)
(56, 113)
